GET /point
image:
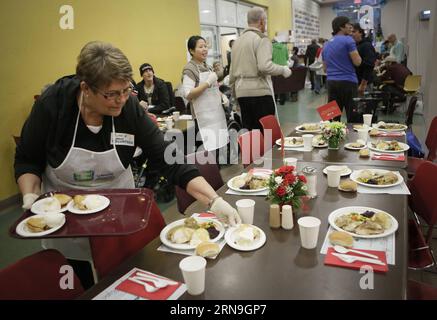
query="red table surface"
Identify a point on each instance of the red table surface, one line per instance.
(127, 213)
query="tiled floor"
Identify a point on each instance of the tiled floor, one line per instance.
(304, 110)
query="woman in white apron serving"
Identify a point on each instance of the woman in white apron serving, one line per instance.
(200, 87)
(82, 134)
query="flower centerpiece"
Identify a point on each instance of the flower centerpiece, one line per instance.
(287, 187)
(334, 133)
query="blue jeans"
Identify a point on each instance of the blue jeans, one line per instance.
(317, 83)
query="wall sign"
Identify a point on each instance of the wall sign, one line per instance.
(67, 20)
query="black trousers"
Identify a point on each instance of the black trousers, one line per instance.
(343, 92)
(254, 108)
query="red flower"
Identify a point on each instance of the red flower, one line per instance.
(281, 191)
(290, 178)
(303, 179)
(285, 169)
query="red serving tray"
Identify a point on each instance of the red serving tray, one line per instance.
(127, 213)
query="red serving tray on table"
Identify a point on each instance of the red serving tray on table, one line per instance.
(127, 213)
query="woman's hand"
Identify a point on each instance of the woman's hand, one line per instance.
(29, 199)
(225, 212)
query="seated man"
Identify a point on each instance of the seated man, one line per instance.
(152, 91)
(395, 74)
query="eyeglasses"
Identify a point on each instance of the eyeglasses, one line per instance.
(115, 95)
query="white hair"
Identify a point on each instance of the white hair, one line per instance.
(255, 15)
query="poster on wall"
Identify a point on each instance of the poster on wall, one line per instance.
(306, 17)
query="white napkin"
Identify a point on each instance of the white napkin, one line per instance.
(186, 117)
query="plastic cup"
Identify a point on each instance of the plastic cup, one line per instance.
(290, 162)
(363, 134)
(176, 115)
(169, 123)
(193, 271)
(334, 174)
(367, 119)
(308, 141)
(246, 209)
(309, 231)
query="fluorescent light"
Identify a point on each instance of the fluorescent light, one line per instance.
(427, 12)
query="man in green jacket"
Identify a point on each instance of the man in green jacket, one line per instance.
(280, 57)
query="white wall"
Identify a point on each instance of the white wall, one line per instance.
(393, 18)
(327, 14)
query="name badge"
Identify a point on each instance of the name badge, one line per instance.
(123, 139)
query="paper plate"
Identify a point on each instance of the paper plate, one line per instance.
(404, 147)
(230, 185)
(356, 174)
(104, 203)
(24, 231)
(258, 243)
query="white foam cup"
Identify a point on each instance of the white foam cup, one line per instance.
(367, 119)
(308, 141)
(334, 174)
(290, 162)
(246, 209)
(309, 231)
(193, 271)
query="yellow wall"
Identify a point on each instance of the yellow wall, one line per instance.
(35, 51)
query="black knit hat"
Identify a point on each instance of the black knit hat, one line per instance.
(144, 67)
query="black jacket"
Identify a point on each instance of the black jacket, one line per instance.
(48, 132)
(368, 55)
(160, 95)
(310, 54)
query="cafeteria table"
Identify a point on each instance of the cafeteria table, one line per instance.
(341, 156)
(282, 269)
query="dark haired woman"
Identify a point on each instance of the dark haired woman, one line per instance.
(200, 87)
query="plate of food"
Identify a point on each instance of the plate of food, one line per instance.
(388, 146)
(40, 225)
(357, 127)
(319, 142)
(355, 146)
(187, 234)
(346, 171)
(390, 127)
(87, 204)
(363, 222)
(245, 237)
(309, 128)
(377, 178)
(55, 203)
(249, 182)
(291, 142)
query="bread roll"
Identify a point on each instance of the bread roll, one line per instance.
(364, 153)
(37, 224)
(341, 238)
(348, 186)
(63, 198)
(78, 202)
(207, 249)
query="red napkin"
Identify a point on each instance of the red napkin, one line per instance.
(332, 260)
(138, 290)
(206, 215)
(400, 157)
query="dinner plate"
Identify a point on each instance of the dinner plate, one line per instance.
(299, 129)
(349, 147)
(186, 246)
(359, 126)
(343, 211)
(230, 240)
(356, 173)
(404, 147)
(403, 128)
(37, 207)
(104, 203)
(230, 184)
(286, 145)
(347, 171)
(23, 230)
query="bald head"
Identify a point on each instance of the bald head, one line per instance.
(256, 18)
(392, 38)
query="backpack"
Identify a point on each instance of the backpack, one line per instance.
(415, 146)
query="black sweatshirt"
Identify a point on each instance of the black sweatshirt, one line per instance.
(368, 55)
(48, 132)
(160, 95)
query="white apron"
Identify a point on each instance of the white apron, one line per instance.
(210, 116)
(85, 169)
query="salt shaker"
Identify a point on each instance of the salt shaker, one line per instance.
(287, 217)
(275, 216)
(310, 174)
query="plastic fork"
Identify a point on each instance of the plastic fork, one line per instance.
(147, 286)
(351, 259)
(157, 282)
